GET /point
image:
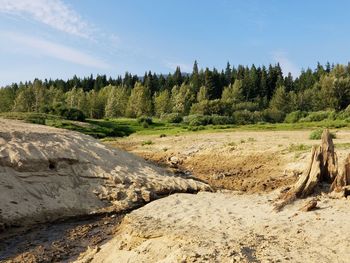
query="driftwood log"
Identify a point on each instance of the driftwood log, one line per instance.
(322, 170)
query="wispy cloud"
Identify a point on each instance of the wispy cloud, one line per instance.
(183, 66)
(53, 13)
(42, 47)
(286, 64)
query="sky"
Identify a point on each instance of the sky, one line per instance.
(62, 38)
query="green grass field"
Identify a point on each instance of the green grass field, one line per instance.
(106, 128)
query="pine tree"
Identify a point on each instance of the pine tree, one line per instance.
(178, 79)
(209, 83)
(228, 74)
(195, 76)
(281, 100)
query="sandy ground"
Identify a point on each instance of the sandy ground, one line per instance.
(235, 224)
(249, 161)
(229, 227)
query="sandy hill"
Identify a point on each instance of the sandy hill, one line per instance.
(48, 173)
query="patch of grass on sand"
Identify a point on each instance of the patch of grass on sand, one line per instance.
(345, 145)
(316, 134)
(148, 142)
(298, 147)
(232, 144)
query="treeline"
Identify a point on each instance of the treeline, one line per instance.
(248, 94)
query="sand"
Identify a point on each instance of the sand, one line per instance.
(48, 173)
(229, 227)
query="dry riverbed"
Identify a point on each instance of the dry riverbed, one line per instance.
(248, 161)
(237, 223)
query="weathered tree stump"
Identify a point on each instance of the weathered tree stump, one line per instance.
(323, 168)
(343, 179)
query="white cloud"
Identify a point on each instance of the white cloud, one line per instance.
(183, 66)
(53, 13)
(42, 47)
(286, 64)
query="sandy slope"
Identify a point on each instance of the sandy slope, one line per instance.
(48, 173)
(229, 227)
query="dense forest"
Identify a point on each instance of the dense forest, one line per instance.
(244, 94)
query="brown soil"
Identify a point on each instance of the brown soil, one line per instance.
(254, 173)
(253, 162)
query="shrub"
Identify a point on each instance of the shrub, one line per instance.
(248, 105)
(242, 117)
(208, 107)
(72, 114)
(220, 120)
(36, 120)
(203, 120)
(319, 116)
(295, 116)
(316, 134)
(142, 120)
(273, 115)
(196, 128)
(172, 118)
(145, 121)
(247, 117)
(347, 109)
(196, 120)
(343, 115)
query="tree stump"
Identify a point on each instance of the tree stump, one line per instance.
(343, 178)
(323, 168)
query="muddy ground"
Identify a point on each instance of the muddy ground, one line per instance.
(60, 241)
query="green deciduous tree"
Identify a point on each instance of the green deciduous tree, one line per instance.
(233, 94)
(162, 103)
(140, 102)
(182, 99)
(117, 102)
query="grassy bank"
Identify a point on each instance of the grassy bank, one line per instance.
(124, 127)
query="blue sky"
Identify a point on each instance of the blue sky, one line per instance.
(60, 38)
